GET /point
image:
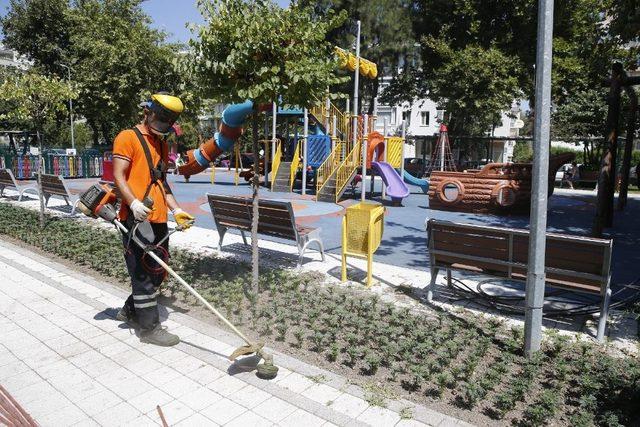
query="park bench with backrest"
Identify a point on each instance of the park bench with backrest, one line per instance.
(54, 185)
(574, 263)
(275, 219)
(7, 180)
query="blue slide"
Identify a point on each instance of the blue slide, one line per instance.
(422, 183)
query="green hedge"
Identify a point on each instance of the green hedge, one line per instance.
(461, 360)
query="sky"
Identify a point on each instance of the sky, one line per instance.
(168, 15)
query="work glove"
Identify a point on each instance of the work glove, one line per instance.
(183, 219)
(140, 211)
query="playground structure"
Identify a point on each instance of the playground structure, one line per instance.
(498, 187)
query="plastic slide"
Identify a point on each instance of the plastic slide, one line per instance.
(422, 183)
(375, 141)
(396, 189)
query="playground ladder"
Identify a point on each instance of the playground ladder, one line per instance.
(347, 170)
(325, 176)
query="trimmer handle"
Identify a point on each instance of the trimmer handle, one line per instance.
(148, 202)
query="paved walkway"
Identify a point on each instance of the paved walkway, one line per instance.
(68, 362)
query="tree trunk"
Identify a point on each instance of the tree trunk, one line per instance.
(628, 147)
(376, 87)
(94, 132)
(604, 201)
(39, 179)
(255, 262)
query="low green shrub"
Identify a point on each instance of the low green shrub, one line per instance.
(461, 358)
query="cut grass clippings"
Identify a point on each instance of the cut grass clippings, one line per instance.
(466, 365)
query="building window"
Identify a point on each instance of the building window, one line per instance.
(440, 115)
(406, 117)
(424, 118)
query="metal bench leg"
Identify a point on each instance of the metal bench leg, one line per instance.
(432, 284)
(66, 200)
(2, 191)
(221, 232)
(448, 277)
(74, 207)
(244, 237)
(46, 199)
(24, 190)
(604, 314)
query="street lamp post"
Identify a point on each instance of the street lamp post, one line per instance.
(73, 140)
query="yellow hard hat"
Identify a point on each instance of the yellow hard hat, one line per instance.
(171, 103)
(165, 111)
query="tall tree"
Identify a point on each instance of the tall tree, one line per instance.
(253, 49)
(35, 98)
(115, 57)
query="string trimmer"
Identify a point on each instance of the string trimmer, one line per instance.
(99, 200)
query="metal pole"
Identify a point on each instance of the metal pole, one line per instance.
(386, 150)
(73, 138)
(404, 131)
(440, 138)
(356, 82)
(304, 152)
(534, 299)
(274, 138)
(334, 132)
(365, 120)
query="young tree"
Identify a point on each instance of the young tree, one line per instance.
(253, 49)
(35, 98)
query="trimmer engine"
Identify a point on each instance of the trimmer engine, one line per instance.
(95, 198)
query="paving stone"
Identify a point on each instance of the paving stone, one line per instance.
(206, 374)
(223, 411)
(147, 401)
(98, 402)
(66, 416)
(117, 415)
(196, 420)
(410, 423)
(161, 376)
(274, 409)
(377, 416)
(226, 385)
(322, 393)
(21, 380)
(174, 412)
(201, 398)
(141, 421)
(249, 419)
(31, 392)
(296, 383)
(182, 386)
(187, 364)
(302, 418)
(144, 366)
(249, 396)
(349, 405)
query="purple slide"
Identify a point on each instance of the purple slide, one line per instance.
(396, 188)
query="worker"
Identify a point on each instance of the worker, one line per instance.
(140, 159)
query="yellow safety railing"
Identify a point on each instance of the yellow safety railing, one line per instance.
(351, 162)
(327, 167)
(275, 163)
(295, 163)
(395, 146)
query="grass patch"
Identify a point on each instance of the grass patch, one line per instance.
(461, 360)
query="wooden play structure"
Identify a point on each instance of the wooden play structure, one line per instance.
(497, 187)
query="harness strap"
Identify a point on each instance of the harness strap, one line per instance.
(157, 172)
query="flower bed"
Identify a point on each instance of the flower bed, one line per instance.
(468, 366)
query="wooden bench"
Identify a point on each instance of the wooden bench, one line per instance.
(275, 219)
(54, 185)
(7, 180)
(579, 264)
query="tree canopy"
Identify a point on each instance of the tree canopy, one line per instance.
(116, 58)
(256, 50)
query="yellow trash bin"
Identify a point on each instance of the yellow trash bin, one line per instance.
(362, 228)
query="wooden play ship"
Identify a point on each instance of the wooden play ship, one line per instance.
(501, 188)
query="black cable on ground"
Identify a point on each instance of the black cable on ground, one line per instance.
(509, 303)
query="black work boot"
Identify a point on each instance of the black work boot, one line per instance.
(159, 336)
(125, 315)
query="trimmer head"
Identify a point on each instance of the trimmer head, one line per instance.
(266, 370)
(246, 350)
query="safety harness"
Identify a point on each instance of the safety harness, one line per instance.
(158, 172)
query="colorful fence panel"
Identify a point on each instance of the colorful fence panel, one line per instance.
(81, 166)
